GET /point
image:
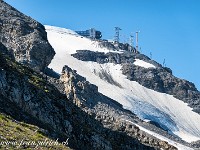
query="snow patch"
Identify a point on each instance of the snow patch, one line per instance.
(70, 41)
(143, 64)
(60, 30)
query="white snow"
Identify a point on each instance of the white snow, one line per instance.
(60, 30)
(69, 40)
(143, 64)
(170, 112)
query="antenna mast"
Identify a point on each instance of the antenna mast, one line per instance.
(137, 41)
(164, 63)
(131, 43)
(116, 38)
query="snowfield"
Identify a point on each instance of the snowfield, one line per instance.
(171, 113)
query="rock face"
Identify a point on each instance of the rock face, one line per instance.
(116, 58)
(24, 37)
(108, 112)
(115, 46)
(4, 50)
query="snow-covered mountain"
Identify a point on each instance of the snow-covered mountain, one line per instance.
(111, 100)
(170, 113)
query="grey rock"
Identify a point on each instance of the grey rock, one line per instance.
(116, 58)
(115, 46)
(25, 38)
(110, 113)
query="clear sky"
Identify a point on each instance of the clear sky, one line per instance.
(169, 29)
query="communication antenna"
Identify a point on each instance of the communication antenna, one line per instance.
(164, 63)
(116, 38)
(150, 55)
(137, 41)
(131, 43)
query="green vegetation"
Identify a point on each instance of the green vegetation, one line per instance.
(38, 82)
(20, 135)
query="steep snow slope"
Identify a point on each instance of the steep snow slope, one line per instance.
(171, 113)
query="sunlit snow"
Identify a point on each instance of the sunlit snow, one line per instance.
(73, 41)
(143, 64)
(164, 109)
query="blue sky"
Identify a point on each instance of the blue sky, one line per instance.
(169, 29)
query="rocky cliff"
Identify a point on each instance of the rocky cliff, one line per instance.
(110, 113)
(25, 38)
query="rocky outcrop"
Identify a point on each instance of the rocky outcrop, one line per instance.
(25, 38)
(108, 112)
(116, 46)
(116, 58)
(196, 144)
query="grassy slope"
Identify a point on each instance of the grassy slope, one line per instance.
(14, 131)
(20, 132)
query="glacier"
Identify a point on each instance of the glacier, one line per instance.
(172, 114)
